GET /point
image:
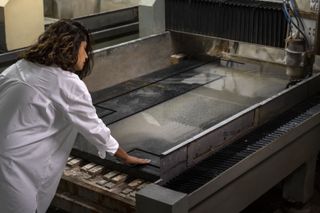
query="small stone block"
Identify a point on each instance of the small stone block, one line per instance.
(110, 175)
(96, 170)
(110, 185)
(177, 58)
(122, 195)
(141, 186)
(70, 158)
(74, 162)
(86, 176)
(88, 166)
(126, 191)
(132, 194)
(68, 172)
(101, 182)
(135, 183)
(119, 178)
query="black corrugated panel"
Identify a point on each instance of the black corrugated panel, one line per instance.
(224, 159)
(242, 20)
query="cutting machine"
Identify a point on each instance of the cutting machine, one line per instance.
(225, 103)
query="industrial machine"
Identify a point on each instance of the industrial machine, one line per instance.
(225, 102)
(109, 23)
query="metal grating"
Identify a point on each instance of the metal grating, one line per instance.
(211, 167)
(242, 20)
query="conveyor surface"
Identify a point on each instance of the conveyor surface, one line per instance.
(224, 159)
(154, 113)
(220, 93)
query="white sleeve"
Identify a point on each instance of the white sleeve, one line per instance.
(82, 114)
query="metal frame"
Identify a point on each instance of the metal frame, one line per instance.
(192, 151)
(240, 185)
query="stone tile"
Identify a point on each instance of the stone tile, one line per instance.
(86, 176)
(119, 178)
(135, 183)
(74, 162)
(110, 185)
(88, 166)
(110, 175)
(70, 157)
(96, 170)
(141, 186)
(132, 194)
(126, 191)
(101, 182)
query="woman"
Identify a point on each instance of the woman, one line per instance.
(43, 105)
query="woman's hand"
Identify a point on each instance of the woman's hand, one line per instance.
(128, 159)
(134, 160)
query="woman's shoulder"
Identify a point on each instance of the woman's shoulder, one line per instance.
(55, 79)
(54, 73)
(72, 86)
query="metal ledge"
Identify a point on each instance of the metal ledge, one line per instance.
(237, 187)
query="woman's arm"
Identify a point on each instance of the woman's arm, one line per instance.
(82, 114)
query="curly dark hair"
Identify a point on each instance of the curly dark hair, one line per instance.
(59, 45)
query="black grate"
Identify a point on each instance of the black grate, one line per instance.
(211, 167)
(242, 20)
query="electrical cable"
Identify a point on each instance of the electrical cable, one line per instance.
(291, 22)
(298, 18)
(288, 20)
(296, 13)
(292, 9)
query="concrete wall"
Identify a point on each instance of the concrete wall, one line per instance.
(128, 60)
(205, 47)
(80, 8)
(69, 8)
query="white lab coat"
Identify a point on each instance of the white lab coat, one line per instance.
(41, 111)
